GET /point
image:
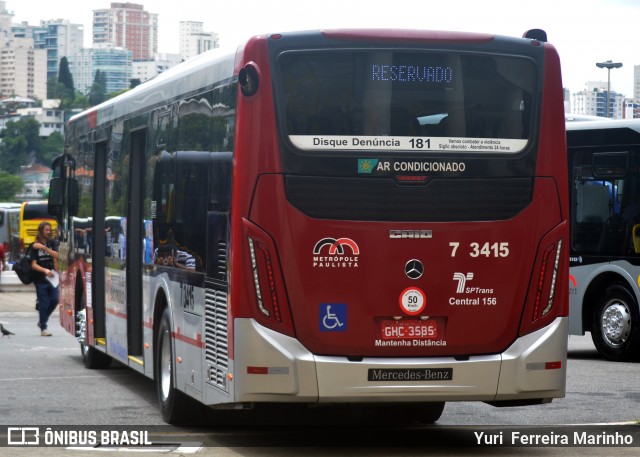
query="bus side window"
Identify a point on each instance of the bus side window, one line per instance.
(220, 169)
(592, 209)
(191, 209)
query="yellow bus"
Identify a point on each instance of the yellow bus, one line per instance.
(31, 214)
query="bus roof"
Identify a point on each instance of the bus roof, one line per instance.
(604, 123)
(211, 67)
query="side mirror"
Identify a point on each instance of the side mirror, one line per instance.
(56, 196)
(74, 197)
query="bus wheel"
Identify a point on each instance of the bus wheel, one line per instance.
(91, 357)
(428, 413)
(615, 328)
(94, 359)
(176, 407)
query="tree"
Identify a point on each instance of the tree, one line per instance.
(20, 143)
(30, 129)
(134, 82)
(13, 149)
(52, 147)
(98, 91)
(114, 94)
(66, 79)
(10, 185)
(15, 146)
(54, 88)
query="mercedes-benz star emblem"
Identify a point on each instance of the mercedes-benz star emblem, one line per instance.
(414, 269)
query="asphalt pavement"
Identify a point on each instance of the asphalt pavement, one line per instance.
(15, 296)
(18, 300)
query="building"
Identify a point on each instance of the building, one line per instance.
(129, 26)
(6, 18)
(22, 66)
(593, 101)
(50, 117)
(59, 37)
(114, 62)
(636, 83)
(566, 98)
(631, 109)
(62, 39)
(146, 70)
(36, 180)
(23, 70)
(194, 41)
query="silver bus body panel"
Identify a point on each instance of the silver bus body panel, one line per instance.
(293, 374)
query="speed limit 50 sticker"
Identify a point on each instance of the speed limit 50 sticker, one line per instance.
(412, 301)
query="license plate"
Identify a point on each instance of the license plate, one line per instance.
(409, 330)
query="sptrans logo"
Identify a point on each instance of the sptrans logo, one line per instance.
(336, 253)
(462, 279)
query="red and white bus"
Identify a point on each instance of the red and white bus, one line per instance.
(338, 216)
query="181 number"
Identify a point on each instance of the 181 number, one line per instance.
(419, 143)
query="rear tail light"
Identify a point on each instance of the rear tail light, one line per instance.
(264, 280)
(548, 295)
(548, 277)
(264, 297)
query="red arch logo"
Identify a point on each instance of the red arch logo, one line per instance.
(336, 246)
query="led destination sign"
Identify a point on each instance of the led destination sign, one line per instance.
(412, 73)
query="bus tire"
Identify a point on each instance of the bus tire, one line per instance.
(176, 407)
(615, 326)
(428, 413)
(93, 358)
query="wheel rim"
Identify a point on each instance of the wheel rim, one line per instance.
(81, 330)
(165, 366)
(616, 323)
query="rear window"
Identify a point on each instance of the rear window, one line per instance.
(36, 211)
(401, 100)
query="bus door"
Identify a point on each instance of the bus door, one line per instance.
(99, 242)
(134, 247)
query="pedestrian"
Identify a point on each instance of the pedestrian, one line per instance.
(2, 259)
(44, 263)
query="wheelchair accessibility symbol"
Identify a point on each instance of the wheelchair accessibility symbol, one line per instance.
(333, 317)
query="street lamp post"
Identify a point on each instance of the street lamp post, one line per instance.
(608, 65)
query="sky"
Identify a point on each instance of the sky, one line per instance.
(584, 32)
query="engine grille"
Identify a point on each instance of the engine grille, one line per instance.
(380, 199)
(216, 337)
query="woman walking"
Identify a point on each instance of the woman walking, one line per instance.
(44, 263)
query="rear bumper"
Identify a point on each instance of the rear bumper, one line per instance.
(271, 367)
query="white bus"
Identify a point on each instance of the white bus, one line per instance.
(10, 230)
(604, 167)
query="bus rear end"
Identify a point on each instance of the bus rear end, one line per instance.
(400, 228)
(32, 214)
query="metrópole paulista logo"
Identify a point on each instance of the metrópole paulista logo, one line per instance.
(336, 253)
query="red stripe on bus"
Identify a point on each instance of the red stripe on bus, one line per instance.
(113, 312)
(186, 339)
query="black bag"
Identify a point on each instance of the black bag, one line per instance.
(23, 269)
